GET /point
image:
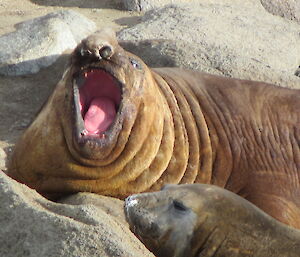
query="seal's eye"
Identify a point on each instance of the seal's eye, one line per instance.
(179, 206)
(135, 64)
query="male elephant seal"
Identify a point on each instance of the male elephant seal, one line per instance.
(115, 127)
(205, 220)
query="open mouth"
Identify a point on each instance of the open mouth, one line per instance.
(97, 97)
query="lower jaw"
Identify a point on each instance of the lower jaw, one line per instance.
(90, 148)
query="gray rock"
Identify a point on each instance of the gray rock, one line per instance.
(289, 9)
(39, 42)
(83, 225)
(235, 40)
(146, 5)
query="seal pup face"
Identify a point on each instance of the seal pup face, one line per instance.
(164, 221)
(107, 85)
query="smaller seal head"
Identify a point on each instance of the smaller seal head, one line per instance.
(162, 221)
(206, 220)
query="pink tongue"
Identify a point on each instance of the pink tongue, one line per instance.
(100, 115)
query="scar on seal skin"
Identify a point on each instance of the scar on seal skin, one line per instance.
(115, 127)
(205, 220)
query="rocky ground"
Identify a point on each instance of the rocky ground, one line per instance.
(249, 39)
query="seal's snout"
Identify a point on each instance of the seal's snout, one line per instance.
(131, 201)
(100, 45)
(130, 209)
(102, 51)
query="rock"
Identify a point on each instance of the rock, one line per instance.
(289, 9)
(235, 40)
(39, 42)
(81, 225)
(146, 5)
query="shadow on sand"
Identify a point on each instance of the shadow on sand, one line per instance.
(103, 4)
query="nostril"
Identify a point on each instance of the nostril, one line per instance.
(106, 52)
(85, 52)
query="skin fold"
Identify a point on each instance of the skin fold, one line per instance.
(172, 126)
(205, 220)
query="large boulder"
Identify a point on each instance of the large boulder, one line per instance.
(39, 42)
(235, 40)
(82, 225)
(289, 9)
(146, 5)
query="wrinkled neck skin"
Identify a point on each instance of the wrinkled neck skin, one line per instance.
(241, 126)
(246, 136)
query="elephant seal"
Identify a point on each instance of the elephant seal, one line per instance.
(115, 127)
(206, 220)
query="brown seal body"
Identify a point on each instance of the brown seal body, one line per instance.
(205, 220)
(115, 127)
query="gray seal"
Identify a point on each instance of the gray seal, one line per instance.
(205, 220)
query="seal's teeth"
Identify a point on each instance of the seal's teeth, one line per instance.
(103, 136)
(85, 74)
(84, 132)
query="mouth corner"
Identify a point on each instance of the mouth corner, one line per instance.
(97, 98)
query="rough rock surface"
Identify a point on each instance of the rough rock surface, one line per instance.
(146, 5)
(289, 9)
(83, 225)
(236, 40)
(39, 42)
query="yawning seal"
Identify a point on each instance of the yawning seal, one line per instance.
(115, 127)
(205, 220)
